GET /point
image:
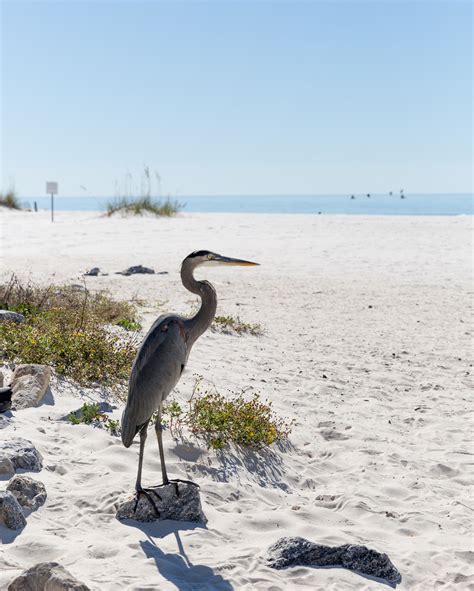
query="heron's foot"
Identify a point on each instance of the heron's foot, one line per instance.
(148, 492)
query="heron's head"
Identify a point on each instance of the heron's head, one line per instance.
(211, 259)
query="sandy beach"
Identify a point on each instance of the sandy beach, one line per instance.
(367, 345)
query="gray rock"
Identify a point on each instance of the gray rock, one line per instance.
(29, 384)
(7, 316)
(21, 453)
(11, 513)
(28, 492)
(4, 422)
(1, 379)
(47, 576)
(92, 272)
(184, 506)
(297, 551)
(135, 270)
(6, 466)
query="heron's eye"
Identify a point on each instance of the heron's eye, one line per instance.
(209, 256)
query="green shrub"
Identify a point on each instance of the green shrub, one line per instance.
(10, 200)
(68, 330)
(220, 420)
(30, 299)
(231, 324)
(129, 325)
(91, 413)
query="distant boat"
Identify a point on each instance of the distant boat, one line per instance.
(368, 195)
(352, 197)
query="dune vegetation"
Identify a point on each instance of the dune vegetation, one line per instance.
(10, 200)
(146, 198)
(70, 329)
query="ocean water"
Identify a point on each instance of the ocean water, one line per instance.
(376, 204)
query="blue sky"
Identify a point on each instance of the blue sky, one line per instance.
(237, 97)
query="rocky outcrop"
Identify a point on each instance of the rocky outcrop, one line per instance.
(47, 576)
(18, 453)
(28, 492)
(178, 500)
(7, 316)
(11, 513)
(297, 551)
(29, 384)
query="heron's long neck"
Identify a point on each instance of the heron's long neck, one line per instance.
(199, 323)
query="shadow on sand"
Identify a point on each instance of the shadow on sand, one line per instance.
(265, 465)
(7, 536)
(177, 568)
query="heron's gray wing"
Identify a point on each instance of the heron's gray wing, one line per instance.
(155, 372)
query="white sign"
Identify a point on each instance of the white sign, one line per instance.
(51, 188)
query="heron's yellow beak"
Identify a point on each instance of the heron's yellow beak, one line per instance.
(235, 262)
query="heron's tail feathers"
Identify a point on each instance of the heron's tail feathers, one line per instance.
(129, 428)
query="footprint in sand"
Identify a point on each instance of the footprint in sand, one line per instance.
(333, 435)
(443, 470)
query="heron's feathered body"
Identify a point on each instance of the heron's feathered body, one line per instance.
(155, 372)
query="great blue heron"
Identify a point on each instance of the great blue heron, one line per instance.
(163, 355)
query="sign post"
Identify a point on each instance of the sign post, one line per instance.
(52, 189)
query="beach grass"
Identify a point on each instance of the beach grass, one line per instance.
(142, 205)
(232, 324)
(10, 200)
(68, 329)
(143, 197)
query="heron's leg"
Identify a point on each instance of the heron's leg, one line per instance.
(138, 485)
(159, 436)
(143, 434)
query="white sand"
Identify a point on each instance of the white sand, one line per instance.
(382, 445)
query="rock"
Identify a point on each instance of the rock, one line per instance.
(1, 379)
(5, 398)
(29, 385)
(6, 466)
(10, 511)
(92, 272)
(21, 453)
(28, 492)
(135, 270)
(46, 576)
(7, 316)
(184, 506)
(4, 422)
(297, 551)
